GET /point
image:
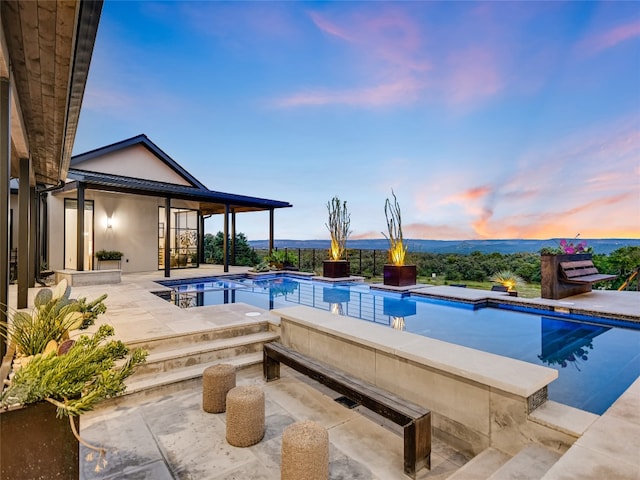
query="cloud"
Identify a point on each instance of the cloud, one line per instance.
(399, 92)
(610, 38)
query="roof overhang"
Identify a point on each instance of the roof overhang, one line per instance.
(211, 202)
(46, 51)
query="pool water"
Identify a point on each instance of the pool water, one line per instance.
(597, 359)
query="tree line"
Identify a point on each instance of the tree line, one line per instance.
(453, 267)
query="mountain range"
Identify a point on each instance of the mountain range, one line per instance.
(465, 247)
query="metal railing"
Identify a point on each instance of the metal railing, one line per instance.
(366, 263)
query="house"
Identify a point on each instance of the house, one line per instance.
(139, 201)
(133, 195)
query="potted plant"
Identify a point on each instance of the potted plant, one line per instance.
(281, 260)
(550, 258)
(508, 280)
(395, 272)
(51, 372)
(187, 241)
(337, 266)
(111, 258)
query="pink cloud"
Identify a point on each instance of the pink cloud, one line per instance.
(328, 27)
(474, 75)
(610, 38)
(399, 92)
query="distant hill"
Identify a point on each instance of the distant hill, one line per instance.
(465, 247)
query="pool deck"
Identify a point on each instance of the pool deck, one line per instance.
(167, 436)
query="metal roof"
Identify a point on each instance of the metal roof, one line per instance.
(211, 202)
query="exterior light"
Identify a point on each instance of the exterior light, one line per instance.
(109, 222)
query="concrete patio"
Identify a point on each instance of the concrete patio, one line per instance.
(166, 434)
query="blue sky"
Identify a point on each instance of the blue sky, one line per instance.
(487, 119)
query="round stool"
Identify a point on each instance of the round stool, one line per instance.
(217, 380)
(245, 415)
(305, 452)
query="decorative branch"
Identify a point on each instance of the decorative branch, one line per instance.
(338, 226)
(397, 248)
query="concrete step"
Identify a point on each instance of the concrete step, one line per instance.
(482, 466)
(178, 340)
(530, 463)
(166, 379)
(203, 352)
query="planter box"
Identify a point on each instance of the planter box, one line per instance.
(551, 285)
(399, 275)
(37, 445)
(335, 268)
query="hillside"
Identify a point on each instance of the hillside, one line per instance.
(602, 245)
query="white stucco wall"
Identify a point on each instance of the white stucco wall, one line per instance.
(135, 161)
(134, 231)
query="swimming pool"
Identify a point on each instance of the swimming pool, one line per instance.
(597, 359)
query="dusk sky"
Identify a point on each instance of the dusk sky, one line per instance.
(489, 120)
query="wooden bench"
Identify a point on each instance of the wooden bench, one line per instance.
(582, 272)
(415, 420)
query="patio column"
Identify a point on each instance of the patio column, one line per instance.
(80, 229)
(5, 175)
(233, 236)
(200, 238)
(270, 230)
(34, 260)
(167, 240)
(24, 240)
(225, 241)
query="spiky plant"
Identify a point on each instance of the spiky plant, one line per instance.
(508, 279)
(338, 226)
(397, 248)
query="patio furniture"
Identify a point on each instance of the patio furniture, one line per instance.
(581, 272)
(245, 415)
(415, 419)
(305, 452)
(217, 380)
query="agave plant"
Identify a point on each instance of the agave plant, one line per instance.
(54, 314)
(508, 279)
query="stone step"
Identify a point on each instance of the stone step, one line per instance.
(482, 466)
(204, 352)
(530, 463)
(171, 342)
(179, 378)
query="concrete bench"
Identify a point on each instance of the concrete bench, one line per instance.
(582, 272)
(415, 420)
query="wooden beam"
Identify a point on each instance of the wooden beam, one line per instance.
(5, 176)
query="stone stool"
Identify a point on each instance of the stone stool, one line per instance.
(245, 415)
(305, 452)
(217, 380)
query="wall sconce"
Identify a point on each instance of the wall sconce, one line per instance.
(109, 221)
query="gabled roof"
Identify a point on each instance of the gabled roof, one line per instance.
(211, 202)
(140, 140)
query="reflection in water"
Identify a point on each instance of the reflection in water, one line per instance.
(567, 343)
(397, 323)
(335, 297)
(398, 309)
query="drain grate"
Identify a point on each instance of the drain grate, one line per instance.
(347, 402)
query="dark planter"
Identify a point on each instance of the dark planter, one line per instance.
(38, 445)
(551, 284)
(399, 275)
(335, 268)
